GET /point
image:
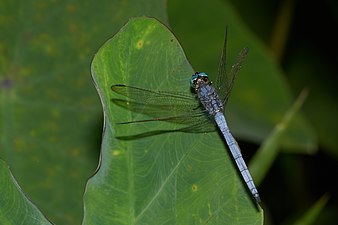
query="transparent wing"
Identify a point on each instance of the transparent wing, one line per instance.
(221, 81)
(165, 106)
(169, 113)
(180, 101)
(225, 81)
(233, 73)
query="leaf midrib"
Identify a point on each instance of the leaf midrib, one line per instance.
(139, 216)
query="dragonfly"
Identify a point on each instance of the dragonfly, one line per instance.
(201, 112)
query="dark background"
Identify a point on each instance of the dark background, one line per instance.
(309, 59)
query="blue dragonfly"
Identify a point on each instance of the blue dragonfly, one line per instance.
(203, 112)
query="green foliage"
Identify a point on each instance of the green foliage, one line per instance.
(15, 208)
(51, 118)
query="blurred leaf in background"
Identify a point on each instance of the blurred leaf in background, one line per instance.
(51, 122)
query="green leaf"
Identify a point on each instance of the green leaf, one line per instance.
(50, 115)
(312, 214)
(15, 208)
(169, 178)
(262, 161)
(261, 95)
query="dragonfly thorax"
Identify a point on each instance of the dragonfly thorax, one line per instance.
(198, 80)
(210, 99)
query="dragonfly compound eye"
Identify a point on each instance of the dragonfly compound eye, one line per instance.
(193, 80)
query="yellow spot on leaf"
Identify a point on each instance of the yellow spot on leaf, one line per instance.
(73, 27)
(194, 187)
(42, 37)
(71, 8)
(80, 82)
(53, 95)
(35, 159)
(32, 133)
(18, 144)
(75, 152)
(49, 49)
(55, 113)
(73, 175)
(26, 71)
(52, 139)
(116, 152)
(139, 44)
(41, 5)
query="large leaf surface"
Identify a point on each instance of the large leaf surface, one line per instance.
(169, 178)
(50, 123)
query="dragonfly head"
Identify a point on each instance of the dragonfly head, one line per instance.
(198, 79)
